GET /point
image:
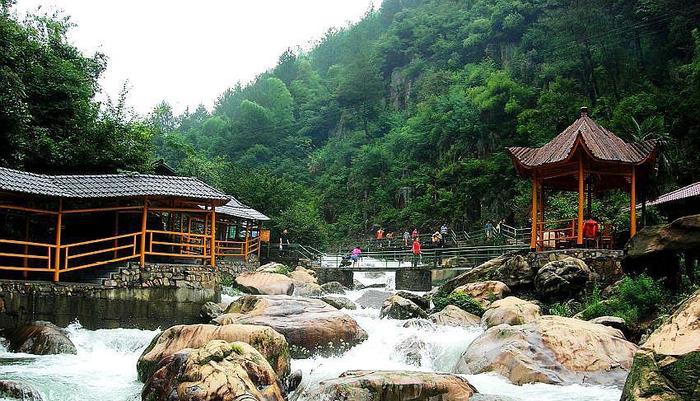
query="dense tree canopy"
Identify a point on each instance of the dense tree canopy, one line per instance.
(399, 120)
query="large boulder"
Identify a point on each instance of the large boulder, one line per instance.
(264, 283)
(420, 300)
(396, 307)
(304, 275)
(680, 235)
(485, 291)
(552, 349)
(369, 385)
(510, 310)
(668, 365)
(310, 325)
(219, 370)
(512, 270)
(339, 302)
(209, 311)
(304, 289)
(14, 390)
(562, 278)
(333, 287)
(271, 267)
(373, 299)
(265, 340)
(39, 338)
(454, 316)
(612, 321)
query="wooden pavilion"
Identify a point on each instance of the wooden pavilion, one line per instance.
(584, 158)
(59, 224)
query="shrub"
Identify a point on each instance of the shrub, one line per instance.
(460, 300)
(560, 309)
(636, 298)
(283, 270)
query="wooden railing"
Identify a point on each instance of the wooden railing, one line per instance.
(97, 252)
(34, 256)
(553, 234)
(246, 248)
(178, 244)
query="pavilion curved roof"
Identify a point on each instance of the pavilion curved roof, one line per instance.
(597, 141)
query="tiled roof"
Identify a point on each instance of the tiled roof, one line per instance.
(681, 193)
(107, 185)
(600, 143)
(237, 209)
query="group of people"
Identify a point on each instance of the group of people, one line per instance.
(491, 231)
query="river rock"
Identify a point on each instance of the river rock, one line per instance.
(562, 278)
(304, 275)
(373, 299)
(551, 349)
(485, 291)
(422, 324)
(396, 307)
(369, 385)
(14, 390)
(339, 302)
(668, 365)
(264, 283)
(510, 310)
(219, 370)
(39, 338)
(271, 344)
(454, 316)
(512, 270)
(411, 350)
(680, 235)
(272, 267)
(333, 287)
(304, 289)
(421, 301)
(209, 311)
(310, 325)
(612, 321)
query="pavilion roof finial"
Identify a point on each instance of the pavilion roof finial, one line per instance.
(584, 111)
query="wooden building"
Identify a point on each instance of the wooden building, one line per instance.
(585, 158)
(680, 202)
(58, 224)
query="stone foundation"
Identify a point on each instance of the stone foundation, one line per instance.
(156, 296)
(414, 280)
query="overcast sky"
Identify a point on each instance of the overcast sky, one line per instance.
(188, 52)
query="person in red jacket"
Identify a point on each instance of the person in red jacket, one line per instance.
(415, 248)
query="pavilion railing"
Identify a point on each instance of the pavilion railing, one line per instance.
(228, 248)
(554, 234)
(178, 244)
(98, 252)
(26, 256)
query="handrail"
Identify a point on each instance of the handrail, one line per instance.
(25, 257)
(113, 248)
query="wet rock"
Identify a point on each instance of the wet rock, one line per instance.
(422, 302)
(411, 350)
(14, 390)
(303, 275)
(209, 311)
(510, 310)
(339, 302)
(264, 283)
(562, 278)
(219, 370)
(485, 291)
(368, 385)
(292, 381)
(514, 271)
(612, 321)
(310, 325)
(373, 299)
(39, 338)
(333, 287)
(456, 317)
(553, 350)
(396, 307)
(304, 289)
(667, 368)
(421, 324)
(271, 344)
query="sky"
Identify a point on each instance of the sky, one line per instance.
(189, 52)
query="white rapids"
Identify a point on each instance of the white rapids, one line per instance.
(105, 367)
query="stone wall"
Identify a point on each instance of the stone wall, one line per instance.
(156, 296)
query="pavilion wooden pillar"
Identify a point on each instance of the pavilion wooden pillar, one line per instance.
(144, 227)
(212, 216)
(533, 229)
(25, 261)
(57, 255)
(581, 195)
(633, 203)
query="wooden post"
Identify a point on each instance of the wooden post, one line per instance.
(633, 203)
(212, 260)
(25, 262)
(116, 232)
(533, 233)
(259, 239)
(57, 255)
(579, 234)
(144, 227)
(247, 236)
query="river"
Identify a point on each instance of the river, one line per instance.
(105, 367)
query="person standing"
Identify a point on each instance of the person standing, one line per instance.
(443, 230)
(416, 250)
(414, 234)
(488, 228)
(355, 255)
(284, 242)
(389, 237)
(406, 238)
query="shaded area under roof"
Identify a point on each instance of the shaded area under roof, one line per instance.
(688, 191)
(237, 209)
(601, 144)
(108, 186)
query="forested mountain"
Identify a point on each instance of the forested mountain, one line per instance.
(402, 118)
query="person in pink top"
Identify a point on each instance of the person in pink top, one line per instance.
(355, 255)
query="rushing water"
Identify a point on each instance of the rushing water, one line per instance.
(105, 367)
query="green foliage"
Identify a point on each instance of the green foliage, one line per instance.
(283, 269)
(561, 309)
(635, 299)
(460, 300)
